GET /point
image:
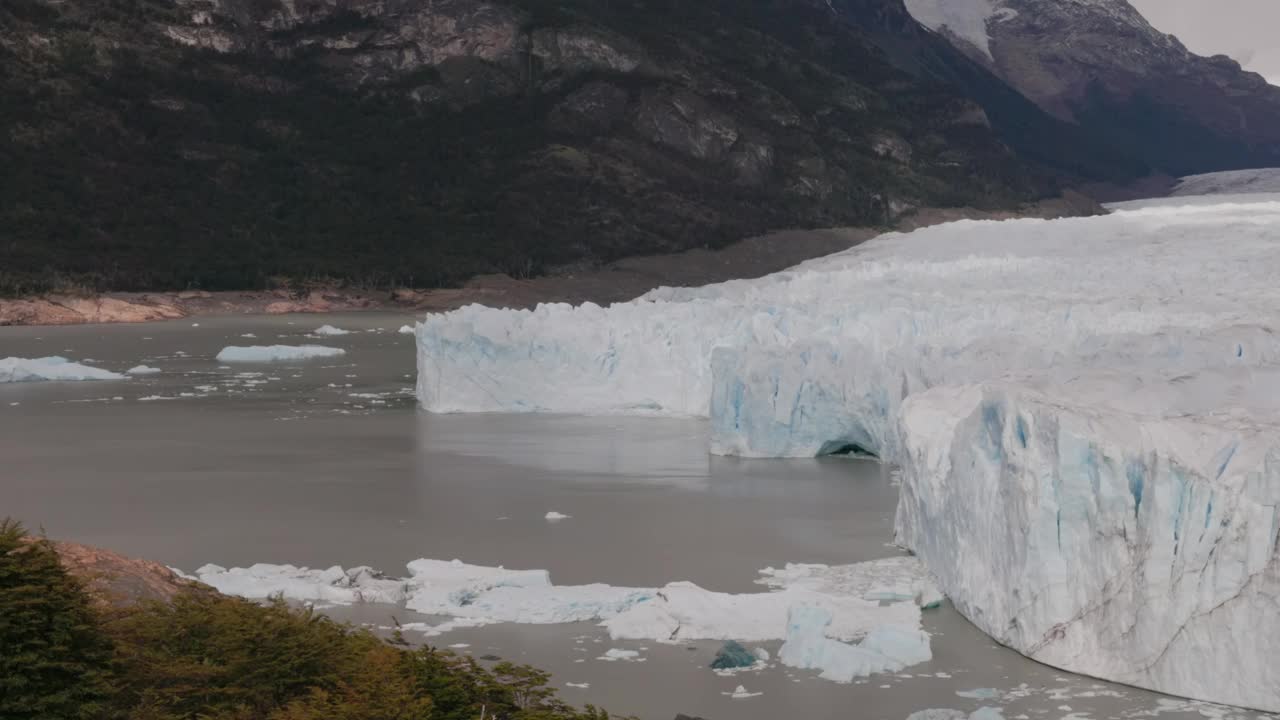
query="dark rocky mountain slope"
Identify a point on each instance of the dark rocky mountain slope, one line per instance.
(1100, 65)
(222, 143)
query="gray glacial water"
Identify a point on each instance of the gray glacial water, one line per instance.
(328, 461)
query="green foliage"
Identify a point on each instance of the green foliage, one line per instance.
(210, 657)
(54, 660)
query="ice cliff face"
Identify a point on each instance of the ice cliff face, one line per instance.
(1081, 408)
(1124, 531)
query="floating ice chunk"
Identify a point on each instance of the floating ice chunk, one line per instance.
(16, 369)
(476, 595)
(616, 654)
(554, 516)
(405, 330)
(330, 330)
(886, 648)
(580, 686)
(761, 654)
(248, 335)
(984, 713)
(741, 693)
(979, 693)
(276, 353)
(732, 655)
(334, 585)
(142, 370)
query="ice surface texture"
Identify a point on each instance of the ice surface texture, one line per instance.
(1081, 408)
(276, 353)
(877, 603)
(1264, 180)
(16, 369)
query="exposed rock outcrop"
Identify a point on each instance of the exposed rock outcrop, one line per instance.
(1101, 65)
(115, 580)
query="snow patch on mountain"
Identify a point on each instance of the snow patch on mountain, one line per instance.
(965, 19)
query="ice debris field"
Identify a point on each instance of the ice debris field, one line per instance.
(845, 621)
(1084, 412)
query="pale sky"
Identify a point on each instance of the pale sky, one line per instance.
(1247, 30)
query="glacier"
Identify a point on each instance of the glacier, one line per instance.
(875, 604)
(1230, 182)
(1081, 410)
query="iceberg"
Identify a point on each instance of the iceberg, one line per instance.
(874, 602)
(275, 353)
(142, 370)
(16, 369)
(334, 585)
(330, 330)
(886, 648)
(1067, 394)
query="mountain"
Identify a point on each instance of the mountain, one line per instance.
(1101, 65)
(221, 143)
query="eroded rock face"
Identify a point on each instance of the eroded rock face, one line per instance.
(576, 50)
(116, 580)
(687, 124)
(593, 108)
(77, 310)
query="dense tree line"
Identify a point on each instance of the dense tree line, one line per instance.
(211, 657)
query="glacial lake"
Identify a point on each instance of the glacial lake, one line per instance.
(329, 462)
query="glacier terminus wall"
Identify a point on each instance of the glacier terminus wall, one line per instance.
(1085, 413)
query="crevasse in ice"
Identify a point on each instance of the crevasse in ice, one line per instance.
(1081, 408)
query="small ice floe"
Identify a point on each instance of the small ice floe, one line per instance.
(580, 686)
(732, 656)
(153, 398)
(616, 654)
(142, 370)
(195, 324)
(16, 369)
(275, 353)
(330, 330)
(554, 516)
(405, 330)
(984, 713)
(741, 693)
(979, 693)
(248, 335)
(460, 646)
